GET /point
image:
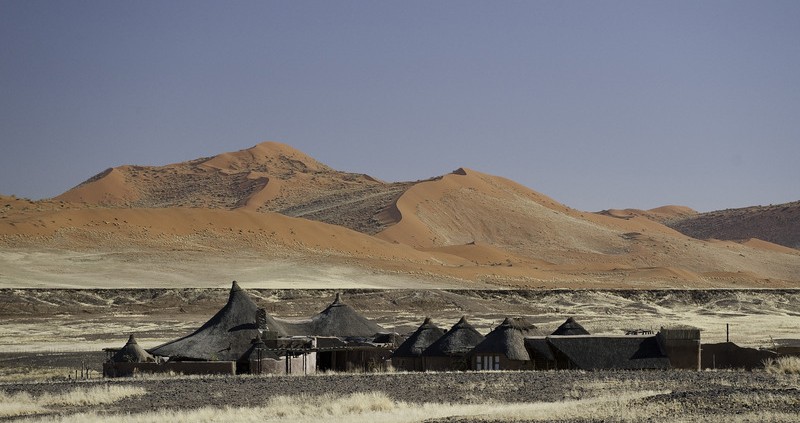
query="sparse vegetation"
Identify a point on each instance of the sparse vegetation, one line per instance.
(23, 403)
(787, 364)
(631, 406)
(728, 396)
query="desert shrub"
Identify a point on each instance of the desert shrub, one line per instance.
(786, 364)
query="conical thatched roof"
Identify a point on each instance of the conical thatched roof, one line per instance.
(508, 339)
(227, 335)
(425, 335)
(132, 353)
(339, 319)
(570, 327)
(458, 341)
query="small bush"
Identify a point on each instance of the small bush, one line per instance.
(787, 365)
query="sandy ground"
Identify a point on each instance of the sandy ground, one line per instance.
(34, 320)
(52, 268)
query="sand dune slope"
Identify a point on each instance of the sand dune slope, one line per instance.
(271, 202)
(266, 177)
(466, 211)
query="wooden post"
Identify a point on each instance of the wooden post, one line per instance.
(727, 332)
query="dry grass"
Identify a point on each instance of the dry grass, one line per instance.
(377, 406)
(786, 365)
(618, 404)
(22, 403)
(34, 374)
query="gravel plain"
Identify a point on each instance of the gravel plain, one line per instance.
(695, 395)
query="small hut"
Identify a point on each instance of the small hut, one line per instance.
(504, 347)
(128, 360)
(227, 335)
(132, 353)
(408, 356)
(450, 351)
(354, 332)
(570, 327)
(339, 319)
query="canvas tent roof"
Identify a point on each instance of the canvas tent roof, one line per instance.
(611, 352)
(132, 353)
(227, 335)
(458, 341)
(570, 327)
(425, 335)
(509, 339)
(339, 319)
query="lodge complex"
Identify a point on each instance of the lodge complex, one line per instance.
(243, 338)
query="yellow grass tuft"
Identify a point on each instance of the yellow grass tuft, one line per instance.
(787, 365)
(22, 403)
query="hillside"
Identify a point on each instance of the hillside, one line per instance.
(779, 224)
(242, 212)
(270, 177)
(662, 214)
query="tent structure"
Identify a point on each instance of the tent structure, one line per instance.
(339, 319)
(132, 353)
(449, 352)
(570, 327)
(227, 335)
(504, 347)
(408, 356)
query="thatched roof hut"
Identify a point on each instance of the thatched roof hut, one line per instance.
(456, 342)
(508, 339)
(227, 335)
(132, 353)
(570, 327)
(541, 353)
(425, 335)
(609, 352)
(339, 319)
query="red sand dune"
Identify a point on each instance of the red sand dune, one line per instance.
(465, 225)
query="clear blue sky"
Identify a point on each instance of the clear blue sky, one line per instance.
(599, 104)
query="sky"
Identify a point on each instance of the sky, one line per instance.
(598, 104)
